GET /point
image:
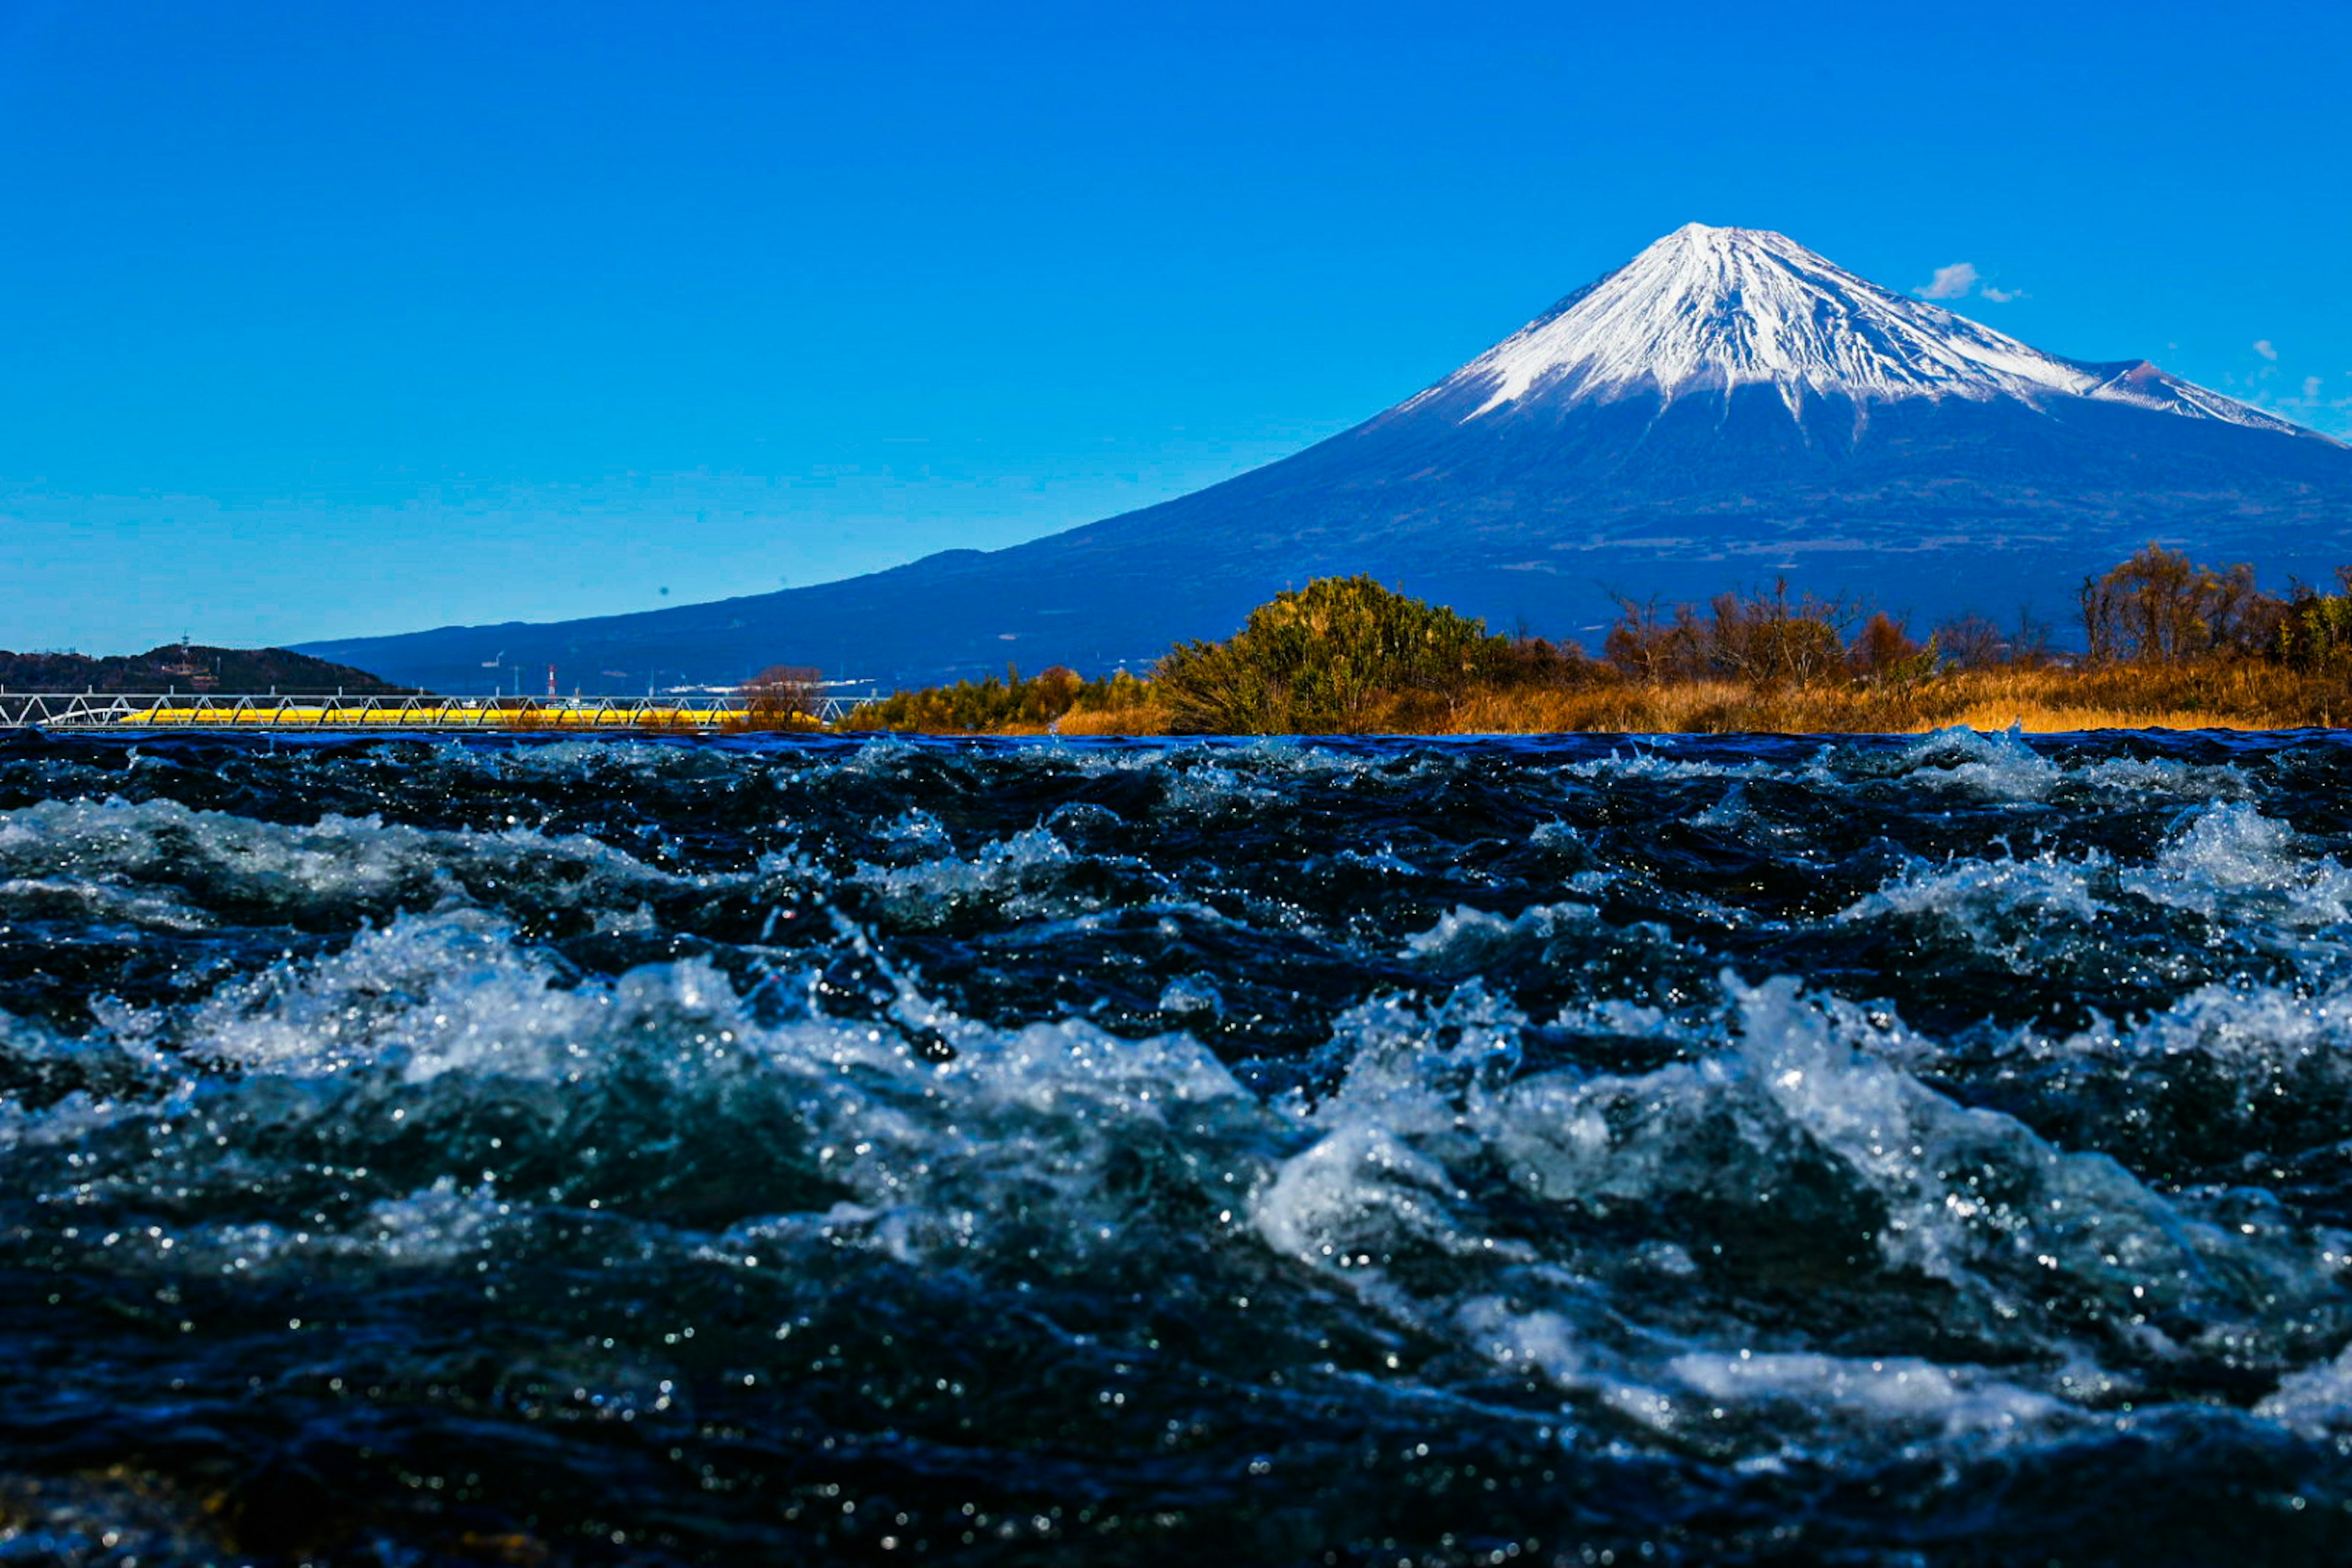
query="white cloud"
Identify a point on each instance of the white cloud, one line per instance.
(1960, 279)
(1951, 282)
(2311, 386)
(2263, 346)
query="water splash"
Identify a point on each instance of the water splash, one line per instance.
(669, 1152)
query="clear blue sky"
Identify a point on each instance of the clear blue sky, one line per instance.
(321, 319)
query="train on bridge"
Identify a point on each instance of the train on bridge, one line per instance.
(184, 711)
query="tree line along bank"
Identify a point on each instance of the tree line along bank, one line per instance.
(2166, 643)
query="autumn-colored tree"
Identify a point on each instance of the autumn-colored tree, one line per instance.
(1649, 644)
(780, 697)
(1882, 653)
(2161, 607)
(1767, 637)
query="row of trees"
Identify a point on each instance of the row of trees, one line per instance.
(1347, 654)
(2157, 608)
(2161, 607)
(1333, 655)
(1771, 638)
(979, 706)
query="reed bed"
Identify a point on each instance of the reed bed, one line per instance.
(2217, 696)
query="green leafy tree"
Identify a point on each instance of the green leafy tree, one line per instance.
(2314, 632)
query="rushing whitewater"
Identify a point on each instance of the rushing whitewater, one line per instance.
(1373, 1153)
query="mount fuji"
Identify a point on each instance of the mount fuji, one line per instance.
(1726, 407)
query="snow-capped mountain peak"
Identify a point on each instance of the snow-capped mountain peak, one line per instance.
(1709, 308)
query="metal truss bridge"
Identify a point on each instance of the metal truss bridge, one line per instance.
(215, 710)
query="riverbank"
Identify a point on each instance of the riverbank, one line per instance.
(2047, 700)
(2172, 647)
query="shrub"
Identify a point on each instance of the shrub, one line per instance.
(1766, 639)
(1318, 659)
(1522, 662)
(990, 704)
(1763, 637)
(1654, 647)
(1883, 654)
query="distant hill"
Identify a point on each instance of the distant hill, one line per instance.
(188, 666)
(1726, 408)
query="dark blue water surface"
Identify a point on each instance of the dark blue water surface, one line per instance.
(1375, 1153)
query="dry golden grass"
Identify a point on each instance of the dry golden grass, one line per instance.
(1136, 721)
(1143, 719)
(2219, 696)
(2215, 696)
(2038, 700)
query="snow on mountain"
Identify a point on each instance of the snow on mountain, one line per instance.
(1726, 409)
(1709, 308)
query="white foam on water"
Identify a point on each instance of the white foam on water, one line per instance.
(1972, 1198)
(2231, 858)
(2007, 908)
(2315, 1401)
(429, 1228)
(1192, 994)
(1996, 765)
(1430, 1185)
(98, 902)
(1467, 935)
(1644, 765)
(1354, 1197)
(335, 864)
(2258, 1033)
(1019, 874)
(1556, 835)
(420, 996)
(1543, 1341)
(1897, 1392)
(2162, 776)
(916, 830)
(422, 1018)
(1731, 810)
(1384, 858)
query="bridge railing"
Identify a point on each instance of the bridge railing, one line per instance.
(223, 710)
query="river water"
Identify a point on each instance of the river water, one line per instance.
(1587, 1151)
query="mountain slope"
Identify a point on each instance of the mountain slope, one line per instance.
(1726, 406)
(1711, 309)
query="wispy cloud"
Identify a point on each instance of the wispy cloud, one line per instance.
(2332, 416)
(2263, 347)
(1951, 282)
(1962, 279)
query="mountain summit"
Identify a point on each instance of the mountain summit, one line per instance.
(1711, 309)
(1726, 407)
